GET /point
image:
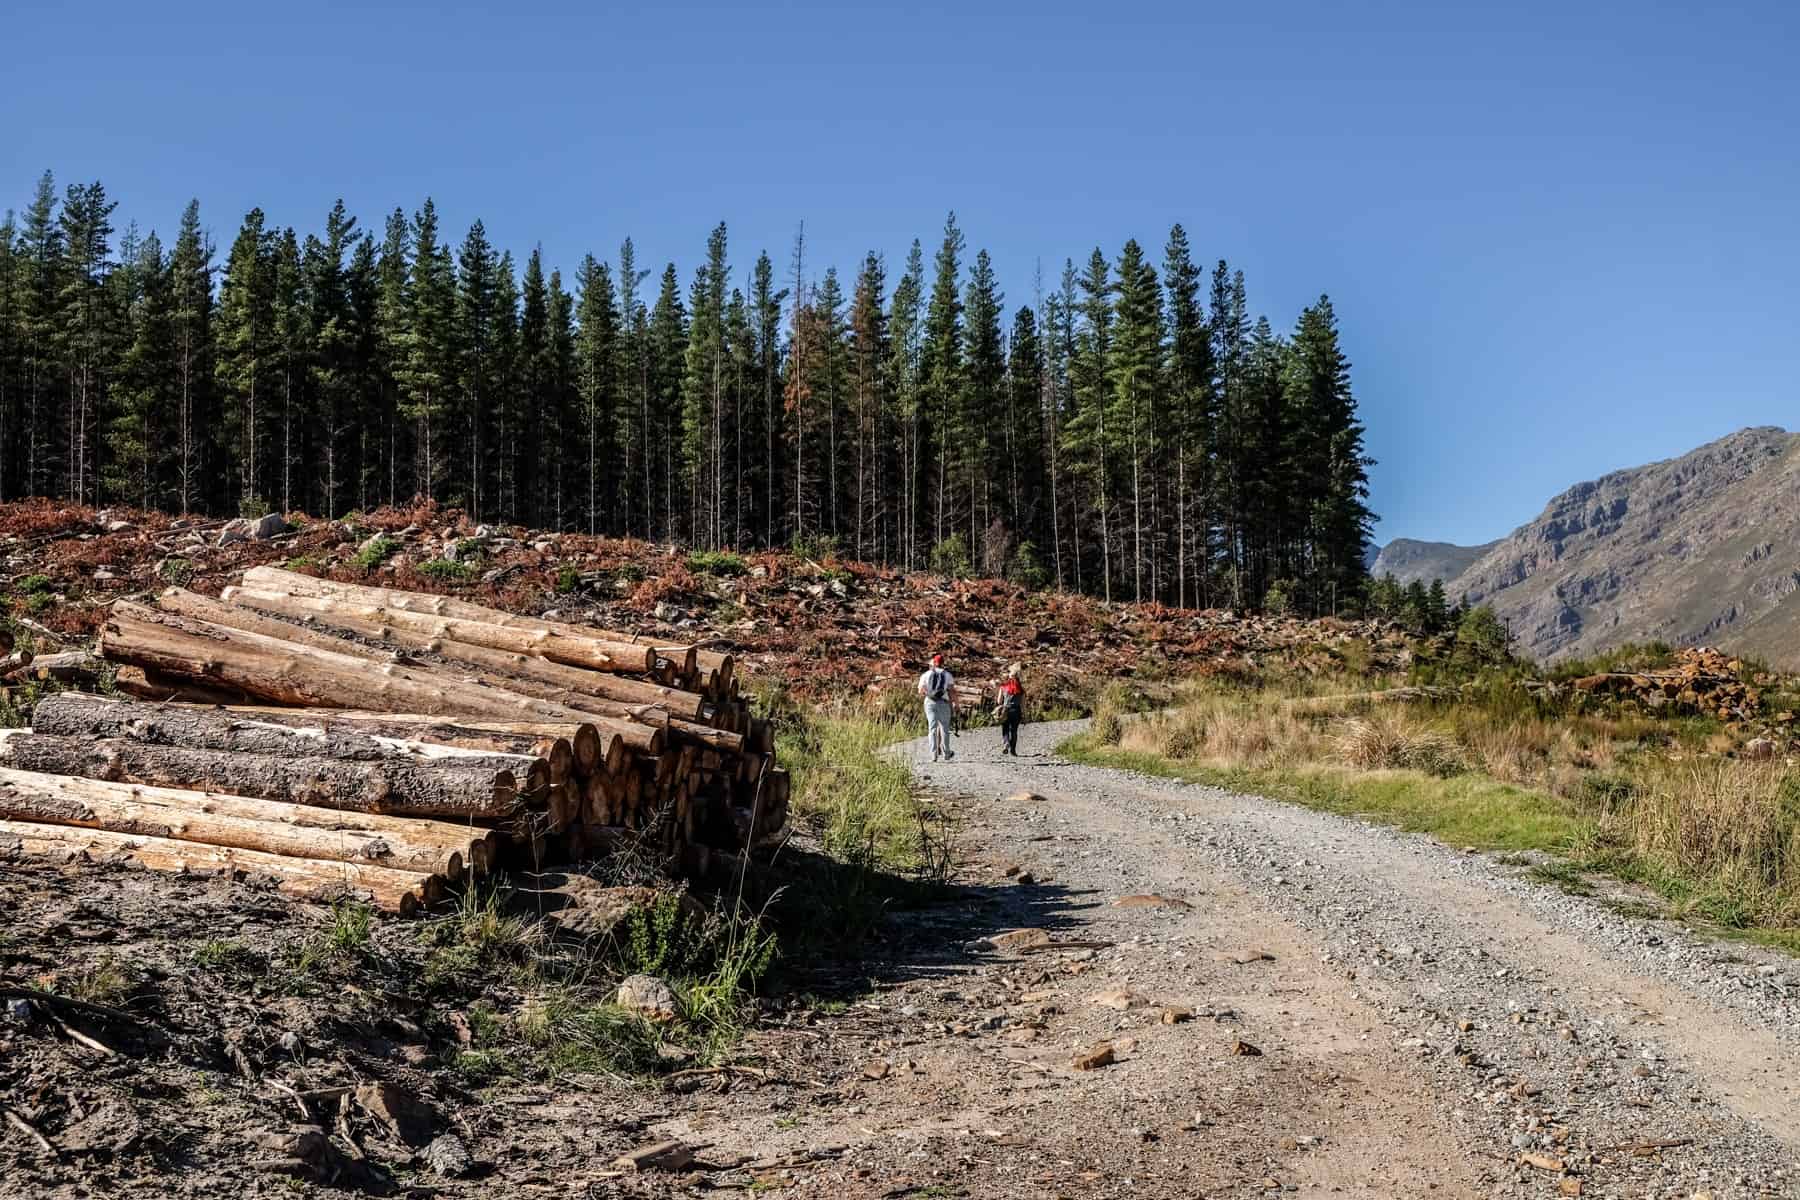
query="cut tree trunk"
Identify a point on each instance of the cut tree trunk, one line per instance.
(288, 673)
(508, 663)
(76, 715)
(586, 647)
(484, 793)
(247, 824)
(586, 745)
(302, 878)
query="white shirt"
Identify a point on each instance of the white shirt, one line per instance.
(925, 688)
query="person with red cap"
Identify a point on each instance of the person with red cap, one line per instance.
(935, 686)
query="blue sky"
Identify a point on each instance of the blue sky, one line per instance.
(1560, 238)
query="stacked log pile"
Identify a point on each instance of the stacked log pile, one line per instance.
(389, 743)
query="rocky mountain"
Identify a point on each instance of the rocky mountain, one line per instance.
(1704, 548)
(1407, 559)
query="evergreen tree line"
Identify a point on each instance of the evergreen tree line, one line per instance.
(1131, 432)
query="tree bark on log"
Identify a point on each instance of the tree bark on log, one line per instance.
(507, 662)
(584, 741)
(288, 673)
(154, 685)
(483, 793)
(76, 715)
(619, 653)
(247, 824)
(302, 878)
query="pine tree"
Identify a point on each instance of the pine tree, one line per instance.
(979, 399)
(1134, 370)
(1191, 416)
(703, 395)
(508, 407)
(246, 346)
(196, 413)
(1088, 435)
(1026, 466)
(741, 350)
(941, 361)
(535, 389)
(293, 349)
(869, 354)
(905, 375)
(634, 320)
(393, 309)
(427, 368)
(366, 417)
(142, 400)
(666, 347)
(766, 303)
(1328, 458)
(560, 424)
(11, 349)
(597, 372)
(85, 318)
(475, 303)
(335, 334)
(831, 390)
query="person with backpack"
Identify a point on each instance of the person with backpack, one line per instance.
(936, 686)
(1011, 710)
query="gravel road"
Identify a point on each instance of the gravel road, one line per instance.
(1516, 1027)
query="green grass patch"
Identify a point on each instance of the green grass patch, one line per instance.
(1463, 810)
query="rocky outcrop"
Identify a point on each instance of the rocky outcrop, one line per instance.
(1705, 547)
(1407, 559)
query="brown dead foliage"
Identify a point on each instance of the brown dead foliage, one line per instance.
(827, 629)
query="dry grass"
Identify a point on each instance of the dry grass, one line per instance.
(1659, 801)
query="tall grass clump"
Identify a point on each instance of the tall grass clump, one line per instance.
(1731, 827)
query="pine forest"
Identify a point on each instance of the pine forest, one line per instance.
(1131, 431)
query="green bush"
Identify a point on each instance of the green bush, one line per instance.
(176, 572)
(444, 569)
(567, 579)
(1027, 569)
(30, 585)
(716, 562)
(816, 546)
(951, 557)
(375, 551)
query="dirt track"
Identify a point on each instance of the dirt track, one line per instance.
(1430, 1021)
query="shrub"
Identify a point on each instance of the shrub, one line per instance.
(1385, 741)
(816, 546)
(375, 551)
(1027, 569)
(716, 562)
(445, 569)
(951, 557)
(567, 579)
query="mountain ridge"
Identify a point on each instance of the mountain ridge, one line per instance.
(1702, 547)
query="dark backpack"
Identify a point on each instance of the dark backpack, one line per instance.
(937, 685)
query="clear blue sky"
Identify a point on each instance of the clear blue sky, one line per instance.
(1561, 238)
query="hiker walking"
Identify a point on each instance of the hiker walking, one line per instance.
(935, 686)
(1012, 710)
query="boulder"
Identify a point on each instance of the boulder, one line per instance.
(266, 527)
(648, 997)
